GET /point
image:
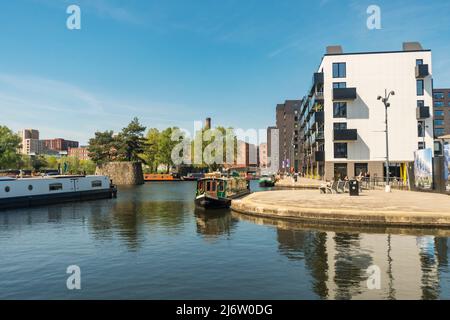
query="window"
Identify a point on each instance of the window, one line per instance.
(339, 70)
(208, 186)
(340, 150)
(339, 126)
(96, 184)
(420, 88)
(339, 85)
(439, 123)
(421, 129)
(361, 168)
(438, 104)
(7, 189)
(221, 186)
(420, 103)
(439, 113)
(422, 145)
(419, 62)
(340, 171)
(439, 132)
(30, 187)
(340, 109)
(55, 186)
(438, 95)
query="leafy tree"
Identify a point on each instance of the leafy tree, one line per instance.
(9, 145)
(152, 150)
(103, 147)
(132, 142)
(165, 146)
(52, 162)
(38, 163)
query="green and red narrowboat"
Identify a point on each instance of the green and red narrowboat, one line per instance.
(217, 193)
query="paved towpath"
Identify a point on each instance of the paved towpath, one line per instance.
(400, 208)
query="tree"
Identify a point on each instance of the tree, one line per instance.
(151, 150)
(165, 146)
(103, 147)
(9, 145)
(38, 162)
(131, 141)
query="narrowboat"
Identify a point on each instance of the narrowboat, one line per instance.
(161, 177)
(27, 192)
(193, 177)
(217, 193)
(267, 181)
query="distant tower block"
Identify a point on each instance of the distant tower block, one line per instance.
(208, 123)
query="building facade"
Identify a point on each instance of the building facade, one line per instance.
(263, 155)
(31, 145)
(60, 144)
(287, 115)
(80, 153)
(343, 120)
(441, 104)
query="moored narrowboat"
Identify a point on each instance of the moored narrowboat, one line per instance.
(27, 192)
(267, 181)
(161, 177)
(217, 193)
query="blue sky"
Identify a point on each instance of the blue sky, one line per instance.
(171, 62)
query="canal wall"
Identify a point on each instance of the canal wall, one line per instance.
(122, 173)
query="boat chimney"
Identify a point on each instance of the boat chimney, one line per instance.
(208, 123)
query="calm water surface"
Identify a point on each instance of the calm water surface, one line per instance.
(151, 243)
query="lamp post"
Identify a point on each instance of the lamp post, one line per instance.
(386, 103)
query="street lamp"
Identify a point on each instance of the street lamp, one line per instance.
(386, 103)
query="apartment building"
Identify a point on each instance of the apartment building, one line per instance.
(287, 115)
(263, 160)
(80, 153)
(343, 121)
(31, 145)
(60, 144)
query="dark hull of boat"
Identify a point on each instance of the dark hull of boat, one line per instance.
(212, 203)
(266, 184)
(190, 179)
(49, 199)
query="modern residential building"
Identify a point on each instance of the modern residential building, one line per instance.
(343, 121)
(60, 144)
(273, 141)
(287, 115)
(31, 145)
(441, 105)
(247, 154)
(80, 153)
(263, 155)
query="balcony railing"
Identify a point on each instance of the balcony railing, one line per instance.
(346, 135)
(319, 156)
(423, 113)
(422, 71)
(317, 136)
(344, 94)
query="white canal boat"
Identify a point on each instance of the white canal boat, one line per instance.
(27, 192)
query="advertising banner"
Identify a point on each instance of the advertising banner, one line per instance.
(423, 168)
(447, 165)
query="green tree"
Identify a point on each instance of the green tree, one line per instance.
(38, 163)
(52, 162)
(132, 142)
(165, 146)
(151, 150)
(9, 145)
(103, 147)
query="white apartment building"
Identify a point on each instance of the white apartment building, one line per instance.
(344, 122)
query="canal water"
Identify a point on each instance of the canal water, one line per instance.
(151, 243)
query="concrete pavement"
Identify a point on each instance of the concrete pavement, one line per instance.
(399, 208)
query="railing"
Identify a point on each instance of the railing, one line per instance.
(380, 182)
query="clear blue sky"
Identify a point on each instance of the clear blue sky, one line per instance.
(171, 62)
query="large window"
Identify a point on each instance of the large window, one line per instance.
(439, 132)
(96, 184)
(422, 145)
(361, 169)
(340, 150)
(339, 126)
(438, 95)
(420, 88)
(419, 62)
(340, 171)
(420, 103)
(439, 113)
(55, 186)
(438, 104)
(339, 70)
(439, 123)
(421, 129)
(340, 109)
(339, 85)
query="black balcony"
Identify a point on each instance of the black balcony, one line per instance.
(319, 156)
(422, 71)
(346, 135)
(344, 94)
(318, 79)
(423, 113)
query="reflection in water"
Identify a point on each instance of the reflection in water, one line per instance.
(151, 243)
(411, 267)
(214, 224)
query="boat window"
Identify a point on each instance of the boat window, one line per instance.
(221, 186)
(213, 187)
(96, 184)
(208, 186)
(55, 186)
(200, 186)
(30, 187)
(7, 189)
